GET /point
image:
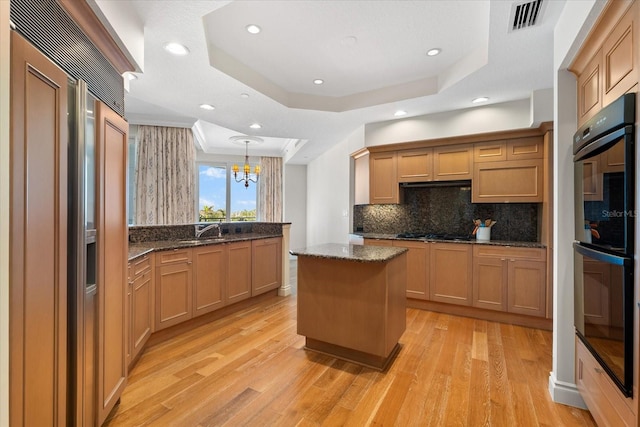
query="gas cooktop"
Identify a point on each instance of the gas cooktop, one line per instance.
(434, 236)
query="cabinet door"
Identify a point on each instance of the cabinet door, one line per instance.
(383, 178)
(142, 312)
(494, 151)
(453, 162)
(173, 294)
(619, 58)
(590, 89)
(490, 283)
(112, 141)
(128, 345)
(209, 276)
(239, 272)
(266, 265)
(526, 287)
(38, 239)
(415, 165)
(525, 148)
(450, 273)
(378, 242)
(510, 181)
(417, 268)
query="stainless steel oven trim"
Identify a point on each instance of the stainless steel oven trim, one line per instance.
(601, 143)
(602, 256)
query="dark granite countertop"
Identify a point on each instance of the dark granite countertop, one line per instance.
(141, 248)
(348, 252)
(472, 241)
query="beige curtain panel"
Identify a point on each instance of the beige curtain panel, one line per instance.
(270, 190)
(165, 176)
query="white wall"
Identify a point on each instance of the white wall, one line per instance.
(4, 213)
(329, 184)
(295, 204)
(573, 25)
(481, 119)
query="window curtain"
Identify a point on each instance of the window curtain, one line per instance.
(270, 190)
(165, 176)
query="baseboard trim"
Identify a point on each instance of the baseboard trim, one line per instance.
(565, 393)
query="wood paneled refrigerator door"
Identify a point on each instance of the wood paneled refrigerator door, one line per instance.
(112, 265)
(38, 239)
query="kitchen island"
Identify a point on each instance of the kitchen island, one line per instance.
(351, 301)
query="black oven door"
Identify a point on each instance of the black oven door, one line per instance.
(604, 311)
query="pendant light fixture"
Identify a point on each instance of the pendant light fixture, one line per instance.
(246, 176)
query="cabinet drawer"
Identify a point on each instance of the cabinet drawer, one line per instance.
(604, 400)
(173, 256)
(510, 252)
(141, 264)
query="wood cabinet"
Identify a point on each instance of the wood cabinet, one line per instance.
(508, 181)
(450, 274)
(511, 149)
(142, 281)
(173, 294)
(606, 404)
(612, 70)
(37, 239)
(266, 265)
(417, 268)
(112, 145)
(415, 165)
(453, 162)
(510, 279)
(239, 271)
(209, 278)
(383, 178)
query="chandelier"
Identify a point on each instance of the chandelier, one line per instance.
(246, 174)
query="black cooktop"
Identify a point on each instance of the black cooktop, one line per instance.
(435, 236)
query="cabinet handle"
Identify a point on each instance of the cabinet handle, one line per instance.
(598, 370)
(130, 283)
(189, 262)
(503, 259)
(512, 260)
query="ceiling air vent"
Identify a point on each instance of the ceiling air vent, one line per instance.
(525, 14)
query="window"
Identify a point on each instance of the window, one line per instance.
(217, 190)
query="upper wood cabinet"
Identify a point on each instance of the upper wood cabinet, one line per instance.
(508, 181)
(512, 149)
(613, 69)
(492, 151)
(452, 162)
(415, 165)
(383, 178)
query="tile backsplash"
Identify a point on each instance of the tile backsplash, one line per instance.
(448, 210)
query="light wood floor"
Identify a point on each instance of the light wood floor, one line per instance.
(250, 369)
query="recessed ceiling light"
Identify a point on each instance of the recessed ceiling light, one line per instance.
(256, 126)
(244, 95)
(207, 107)
(480, 99)
(253, 29)
(318, 81)
(130, 76)
(176, 48)
(434, 51)
(400, 113)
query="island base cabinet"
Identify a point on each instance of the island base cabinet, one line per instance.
(417, 268)
(239, 272)
(173, 288)
(209, 276)
(450, 273)
(266, 265)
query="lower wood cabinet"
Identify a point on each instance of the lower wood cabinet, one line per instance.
(266, 265)
(141, 312)
(605, 402)
(173, 303)
(417, 268)
(239, 271)
(509, 279)
(209, 278)
(450, 273)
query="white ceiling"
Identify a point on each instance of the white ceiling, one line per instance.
(371, 55)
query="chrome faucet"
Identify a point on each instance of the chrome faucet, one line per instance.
(201, 231)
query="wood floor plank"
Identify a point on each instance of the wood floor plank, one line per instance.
(250, 368)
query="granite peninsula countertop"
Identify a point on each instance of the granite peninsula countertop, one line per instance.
(349, 252)
(142, 248)
(472, 241)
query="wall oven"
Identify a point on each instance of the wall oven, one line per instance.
(604, 158)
